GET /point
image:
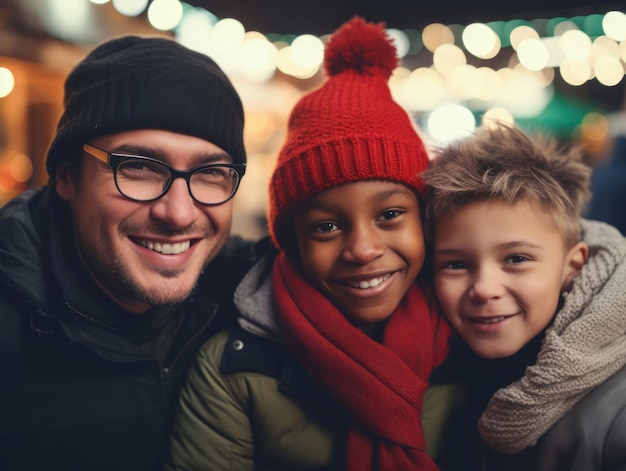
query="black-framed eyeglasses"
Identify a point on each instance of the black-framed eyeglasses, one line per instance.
(145, 179)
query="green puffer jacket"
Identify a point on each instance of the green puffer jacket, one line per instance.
(248, 405)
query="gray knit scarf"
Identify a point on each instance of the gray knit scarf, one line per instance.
(584, 347)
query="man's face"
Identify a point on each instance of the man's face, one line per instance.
(145, 253)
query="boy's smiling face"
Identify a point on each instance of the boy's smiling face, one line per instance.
(499, 270)
(361, 244)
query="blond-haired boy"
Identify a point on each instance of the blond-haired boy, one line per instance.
(537, 294)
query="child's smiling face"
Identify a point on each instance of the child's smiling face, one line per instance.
(499, 271)
(361, 244)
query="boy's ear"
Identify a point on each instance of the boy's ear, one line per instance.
(574, 262)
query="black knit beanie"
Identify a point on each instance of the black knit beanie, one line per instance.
(147, 83)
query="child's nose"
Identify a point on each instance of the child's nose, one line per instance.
(486, 285)
(363, 245)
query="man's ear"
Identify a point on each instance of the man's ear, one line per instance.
(64, 183)
(574, 262)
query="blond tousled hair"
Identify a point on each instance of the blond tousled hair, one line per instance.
(505, 163)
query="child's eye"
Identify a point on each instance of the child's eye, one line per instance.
(515, 259)
(390, 214)
(454, 265)
(325, 227)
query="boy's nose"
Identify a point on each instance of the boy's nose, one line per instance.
(485, 286)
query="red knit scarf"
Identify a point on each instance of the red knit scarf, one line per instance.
(381, 385)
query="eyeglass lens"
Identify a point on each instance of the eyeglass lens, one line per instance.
(147, 180)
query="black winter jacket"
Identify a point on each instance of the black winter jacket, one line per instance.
(75, 395)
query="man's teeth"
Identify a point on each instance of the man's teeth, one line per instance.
(166, 248)
(364, 284)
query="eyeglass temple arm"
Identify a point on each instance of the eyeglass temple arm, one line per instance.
(97, 153)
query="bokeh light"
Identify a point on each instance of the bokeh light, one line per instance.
(165, 14)
(7, 82)
(435, 35)
(532, 54)
(614, 25)
(496, 115)
(21, 168)
(450, 122)
(130, 7)
(481, 41)
(400, 40)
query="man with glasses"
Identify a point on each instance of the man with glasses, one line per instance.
(115, 273)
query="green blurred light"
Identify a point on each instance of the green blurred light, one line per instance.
(499, 27)
(593, 25)
(457, 32)
(541, 26)
(552, 24)
(509, 26)
(415, 41)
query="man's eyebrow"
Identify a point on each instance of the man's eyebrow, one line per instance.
(197, 158)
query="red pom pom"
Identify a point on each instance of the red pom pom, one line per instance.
(363, 47)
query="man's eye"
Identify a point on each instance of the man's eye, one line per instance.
(141, 168)
(325, 227)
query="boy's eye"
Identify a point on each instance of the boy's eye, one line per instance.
(454, 265)
(390, 214)
(515, 259)
(325, 227)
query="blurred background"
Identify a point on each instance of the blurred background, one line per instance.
(553, 66)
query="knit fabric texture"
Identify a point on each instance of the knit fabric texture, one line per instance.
(584, 347)
(347, 130)
(381, 385)
(136, 82)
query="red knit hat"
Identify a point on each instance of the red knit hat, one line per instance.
(349, 129)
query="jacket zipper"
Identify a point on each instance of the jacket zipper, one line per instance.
(89, 318)
(192, 339)
(165, 371)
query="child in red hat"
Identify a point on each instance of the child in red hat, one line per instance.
(329, 364)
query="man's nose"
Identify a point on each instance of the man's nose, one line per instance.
(176, 207)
